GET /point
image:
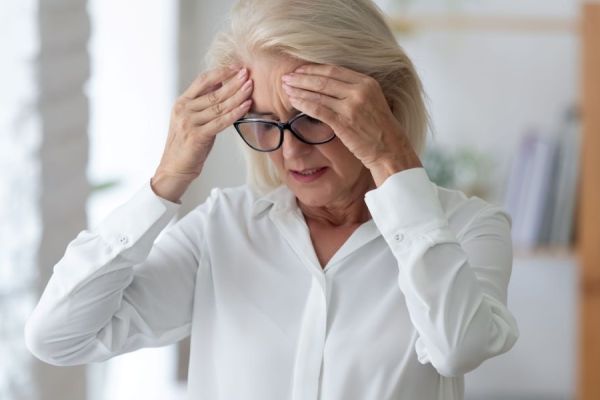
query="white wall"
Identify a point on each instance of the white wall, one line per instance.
(486, 87)
(132, 87)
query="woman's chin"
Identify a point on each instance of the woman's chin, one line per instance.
(315, 198)
(312, 197)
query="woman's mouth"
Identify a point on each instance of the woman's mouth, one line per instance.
(308, 175)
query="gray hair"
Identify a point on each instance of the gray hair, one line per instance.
(348, 33)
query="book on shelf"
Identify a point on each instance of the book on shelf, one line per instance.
(561, 228)
(542, 187)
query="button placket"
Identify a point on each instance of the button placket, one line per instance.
(311, 344)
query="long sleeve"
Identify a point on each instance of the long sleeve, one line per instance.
(114, 290)
(455, 284)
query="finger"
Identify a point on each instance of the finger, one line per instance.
(208, 79)
(333, 103)
(316, 110)
(332, 71)
(318, 83)
(218, 124)
(212, 112)
(214, 97)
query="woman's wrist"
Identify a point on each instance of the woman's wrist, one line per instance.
(387, 167)
(169, 187)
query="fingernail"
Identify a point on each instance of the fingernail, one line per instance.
(301, 70)
(242, 74)
(287, 77)
(235, 67)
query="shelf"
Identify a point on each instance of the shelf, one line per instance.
(458, 22)
(589, 215)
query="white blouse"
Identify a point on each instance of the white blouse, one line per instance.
(414, 299)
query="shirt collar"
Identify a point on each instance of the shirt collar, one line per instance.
(280, 199)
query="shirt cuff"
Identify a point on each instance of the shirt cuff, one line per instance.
(405, 207)
(144, 216)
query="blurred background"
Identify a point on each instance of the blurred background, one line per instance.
(512, 86)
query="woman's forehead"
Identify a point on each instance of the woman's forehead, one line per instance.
(269, 100)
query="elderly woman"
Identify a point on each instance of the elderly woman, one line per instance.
(339, 272)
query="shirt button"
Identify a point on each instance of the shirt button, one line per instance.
(123, 240)
(399, 237)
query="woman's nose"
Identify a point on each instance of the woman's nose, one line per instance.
(292, 147)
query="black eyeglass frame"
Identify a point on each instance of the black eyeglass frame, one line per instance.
(282, 127)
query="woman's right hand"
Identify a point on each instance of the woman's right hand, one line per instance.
(215, 100)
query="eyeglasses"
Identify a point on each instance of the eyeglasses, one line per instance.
(267, 135)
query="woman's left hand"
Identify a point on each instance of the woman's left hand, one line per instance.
(354, 106)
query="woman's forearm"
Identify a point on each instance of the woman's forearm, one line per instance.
(169, 187)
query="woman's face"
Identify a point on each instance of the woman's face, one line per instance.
(319, 175)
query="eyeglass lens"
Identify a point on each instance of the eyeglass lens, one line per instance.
(266, 136)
